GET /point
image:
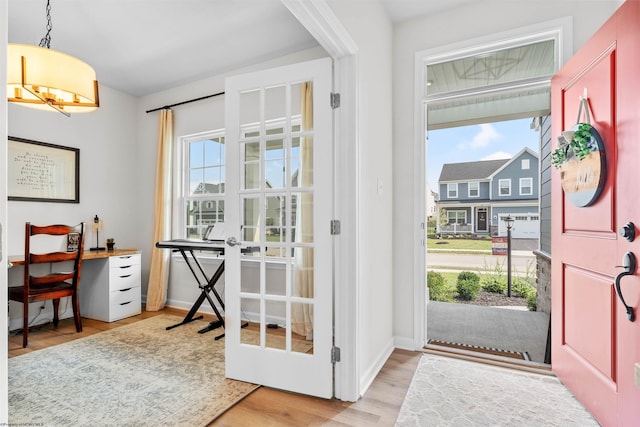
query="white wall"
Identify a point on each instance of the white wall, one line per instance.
(475, 20)
(371, 30)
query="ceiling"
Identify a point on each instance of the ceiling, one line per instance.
(145, 46)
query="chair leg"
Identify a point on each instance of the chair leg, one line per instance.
(56, 305)
(76, 312)
(25, 323)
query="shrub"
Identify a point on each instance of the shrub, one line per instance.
(468, 275)
(532, 301)
(468, 285)
(494, 284)
(439, 290)
(468, 289)
(522, 288)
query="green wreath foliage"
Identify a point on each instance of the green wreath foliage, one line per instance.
(580, 146)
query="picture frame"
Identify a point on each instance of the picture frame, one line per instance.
(42, 172)
(73, 242)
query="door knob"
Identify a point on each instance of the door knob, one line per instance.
(629, 264)
(628, 231)
(232, 241)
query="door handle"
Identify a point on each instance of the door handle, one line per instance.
(629, 264)
(232, 241)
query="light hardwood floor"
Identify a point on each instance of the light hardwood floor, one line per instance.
(266, 406)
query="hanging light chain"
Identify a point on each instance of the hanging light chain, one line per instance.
(46, 40)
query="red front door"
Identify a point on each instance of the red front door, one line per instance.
(595, 346)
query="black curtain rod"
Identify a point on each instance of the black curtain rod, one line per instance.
(185, 102)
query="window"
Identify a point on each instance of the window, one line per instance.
(203, 175)
(452, 191)
(457, 217)
(525, 164)
(526, 186)
(474, 189)
(504, 186)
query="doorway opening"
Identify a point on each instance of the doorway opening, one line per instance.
(483, 174)
(480, 88)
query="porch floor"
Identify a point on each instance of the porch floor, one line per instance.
(493, 327)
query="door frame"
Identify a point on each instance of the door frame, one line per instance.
(484, 210)
(322, 23)
(562, 29)
(4, 341)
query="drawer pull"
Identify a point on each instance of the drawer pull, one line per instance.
(126, 266)
(125, 257)
(126, 275)
(125, 290)
(125, 303)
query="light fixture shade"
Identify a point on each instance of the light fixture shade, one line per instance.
(42, 78)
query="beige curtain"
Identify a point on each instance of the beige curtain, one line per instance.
(159, 270)
(302, 314)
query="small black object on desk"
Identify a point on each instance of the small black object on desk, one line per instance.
(187, 246)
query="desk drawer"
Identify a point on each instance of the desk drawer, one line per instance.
(124, 277)
(124, 260)
(124, 303)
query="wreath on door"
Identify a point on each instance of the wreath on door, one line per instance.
(580, 156)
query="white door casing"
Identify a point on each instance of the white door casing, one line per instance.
(268, 149)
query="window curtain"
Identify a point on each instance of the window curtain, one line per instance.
(302, 314)
(159, 270)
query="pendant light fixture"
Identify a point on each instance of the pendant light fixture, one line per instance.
(43, 78)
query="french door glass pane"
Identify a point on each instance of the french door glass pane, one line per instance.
(276, 146)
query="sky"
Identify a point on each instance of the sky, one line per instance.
(488, 141)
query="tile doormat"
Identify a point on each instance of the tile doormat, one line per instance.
(487, 350)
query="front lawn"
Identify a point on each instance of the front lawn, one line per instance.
(459, 244)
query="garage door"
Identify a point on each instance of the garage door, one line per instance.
(526, 226)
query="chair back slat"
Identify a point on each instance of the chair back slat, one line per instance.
(52, 257)
(51, 278)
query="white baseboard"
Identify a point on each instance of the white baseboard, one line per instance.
(370, 374)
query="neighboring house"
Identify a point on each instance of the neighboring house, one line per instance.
(431, 198)
(476, 196)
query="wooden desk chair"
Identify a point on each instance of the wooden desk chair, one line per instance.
(62, 280)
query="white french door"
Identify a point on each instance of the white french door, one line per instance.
(279, 192)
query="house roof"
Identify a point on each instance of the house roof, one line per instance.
(466, 171)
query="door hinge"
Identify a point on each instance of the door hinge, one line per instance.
(335, 100)
(335, 354)
(335, 227)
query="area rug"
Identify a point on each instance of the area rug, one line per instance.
(452, 392)
(135, 375)
(480, 349)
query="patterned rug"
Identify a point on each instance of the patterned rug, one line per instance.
(135, 375)
(452, 392)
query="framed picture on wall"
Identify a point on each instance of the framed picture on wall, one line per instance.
(42, 172)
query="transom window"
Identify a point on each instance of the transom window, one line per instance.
(474, 189)
(452, 191)
(203, 174)
(526, 186)
(504, 186)
(457, 217)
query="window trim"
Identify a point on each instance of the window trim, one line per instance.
(181, 193)
(457, 211)
(524, 162)
(449, 196)
(500, 181)
(530, 193)
(477, 189)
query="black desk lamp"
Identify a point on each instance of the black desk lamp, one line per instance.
(97, 226)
